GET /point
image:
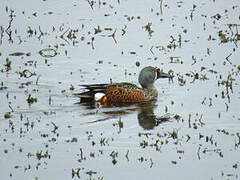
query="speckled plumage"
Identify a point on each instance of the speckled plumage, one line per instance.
(124, 95)
(126, 92)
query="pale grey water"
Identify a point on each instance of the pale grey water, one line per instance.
(89, 139)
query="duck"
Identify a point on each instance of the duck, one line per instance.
(125, 92)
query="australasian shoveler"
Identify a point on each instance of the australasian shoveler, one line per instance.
(125, 92)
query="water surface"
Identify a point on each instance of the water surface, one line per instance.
(48, 48)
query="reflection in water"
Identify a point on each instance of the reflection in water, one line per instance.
(146, 117)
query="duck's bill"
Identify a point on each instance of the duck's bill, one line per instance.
(164, 75)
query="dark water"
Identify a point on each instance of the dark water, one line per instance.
(48, 48)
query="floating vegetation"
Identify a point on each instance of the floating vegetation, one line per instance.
(41, 155)
(175, 59)
(8, 64)
(137, 63)
(26, 73)
(48, 52)
(31, 100)
(230, 35)
(148, 29)
(19, 54)
(7, 115)
(2, 87)
(194, 118)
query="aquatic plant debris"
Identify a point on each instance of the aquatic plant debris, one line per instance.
(48, 48)
(48, 52)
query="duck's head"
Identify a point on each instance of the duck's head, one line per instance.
(149, 75)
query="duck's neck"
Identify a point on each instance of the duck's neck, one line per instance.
(151, 86)
(151, 90)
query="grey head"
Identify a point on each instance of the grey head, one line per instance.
(149, 75)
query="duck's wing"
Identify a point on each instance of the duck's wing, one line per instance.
(96, 87)
(92, 89)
